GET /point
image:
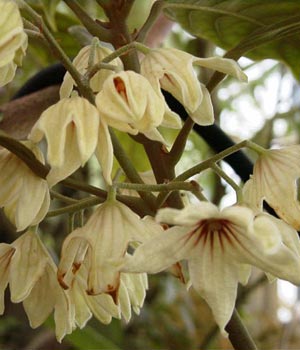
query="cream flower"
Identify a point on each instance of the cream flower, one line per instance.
(6, 252)
(274, 180)
(13, 40)
(172, 70)
(128, 103)
(81, 62)
(220, 246)
(101, 244)
(71, 128)
(101, 306)
(31, 273)
(24, 196)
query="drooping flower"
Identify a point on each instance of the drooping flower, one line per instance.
(24, 196)
(220, 247)
(100, 306)
(128, 103)
(71, 128)
(13, 40)
(101, 243)
(31, 274)
(6, 252)
(274, 180)
(81, 62)
(172, 70)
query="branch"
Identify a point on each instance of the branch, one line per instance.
(20, 115)
(95, 28)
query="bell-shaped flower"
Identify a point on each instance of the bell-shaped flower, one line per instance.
(101, 243)
(13, 40)
(100, 306)
(128, 103)
(24, 196)
(220, 247)
(31, 274)
(172, 70)
(81, 63)
(71, 128)
(274, 180)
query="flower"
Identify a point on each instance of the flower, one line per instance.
(81, 62)
(6, 252)
(71, 128)
(101, 306)
(274, 180)
(24, 196)
(102, 243)
(128, 103)
(219, 247)
(172, 70)
(31, 273)
(13, 40)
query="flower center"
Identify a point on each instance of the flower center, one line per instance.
(213, 231)
(121, 88)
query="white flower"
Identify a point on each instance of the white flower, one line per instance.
(81, 64)
(24, 196)
(128, 103)
(220, 246)
(13, 40)
(71, 128)
(31, 273)
(6, 252)
(172, 70)
(101, 243)
(101, 306)
(274, 180)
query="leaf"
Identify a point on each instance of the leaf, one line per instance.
(253, 28)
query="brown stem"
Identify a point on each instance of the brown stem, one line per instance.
(94, 27)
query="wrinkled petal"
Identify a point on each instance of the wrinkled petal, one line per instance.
(204, 114)
(274, 180)
(223, 65)
(24, 196)
(28, 264)
(6, 252)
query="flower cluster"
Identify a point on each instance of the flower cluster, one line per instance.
(104, 262)
(126, 101)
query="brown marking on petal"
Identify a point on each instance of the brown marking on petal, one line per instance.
(115, 295)
(176, 271)
(75, 267)
(164, 226)
(60, 278)
(121, 88)
(169, 78)
(91, 292)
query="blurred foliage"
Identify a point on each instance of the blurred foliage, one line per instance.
(252, 28)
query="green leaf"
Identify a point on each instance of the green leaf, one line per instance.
(253, 28)
(89, 338)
